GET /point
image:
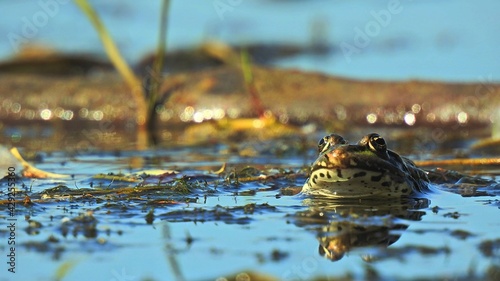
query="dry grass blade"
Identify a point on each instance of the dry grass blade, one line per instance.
(116, 58)
(153, 92)
(221, 170)
(109, 45)
(31, 172)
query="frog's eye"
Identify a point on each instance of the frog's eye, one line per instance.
(326, 142)
(377, 143)
(323, 144)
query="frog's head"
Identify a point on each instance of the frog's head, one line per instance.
(365, 169)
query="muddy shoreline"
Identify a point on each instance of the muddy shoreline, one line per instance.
(203, 105)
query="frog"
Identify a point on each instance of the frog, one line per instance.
(367, 169)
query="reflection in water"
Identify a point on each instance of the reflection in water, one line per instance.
(341, 226)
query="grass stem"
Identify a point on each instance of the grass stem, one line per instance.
(117, 60)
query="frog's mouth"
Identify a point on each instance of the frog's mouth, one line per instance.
(339, 174)
(353, 183)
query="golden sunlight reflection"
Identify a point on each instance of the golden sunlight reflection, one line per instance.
(462, 117)
(416, 108)
(46, 114)
(410, 119)
(371, 118)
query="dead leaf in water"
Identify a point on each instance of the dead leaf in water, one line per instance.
(31, 172)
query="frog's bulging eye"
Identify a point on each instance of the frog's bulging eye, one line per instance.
(328, 141)
(377, 143)
(323, 144)
(374, 142)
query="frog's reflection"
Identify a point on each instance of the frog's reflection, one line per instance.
(341, 226)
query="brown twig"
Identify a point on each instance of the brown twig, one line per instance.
(460, 162)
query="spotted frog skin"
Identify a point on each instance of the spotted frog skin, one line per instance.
(363, 170)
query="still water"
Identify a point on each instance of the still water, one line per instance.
(242, 219)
